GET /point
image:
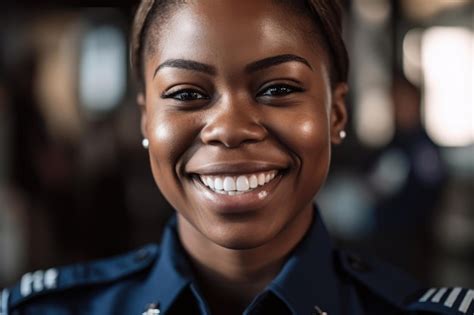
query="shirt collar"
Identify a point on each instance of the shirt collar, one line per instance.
(172, 272)
(308, 278)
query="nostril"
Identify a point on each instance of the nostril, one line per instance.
(233, 134)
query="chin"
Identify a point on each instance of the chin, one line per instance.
(239, 242)
(240, 236)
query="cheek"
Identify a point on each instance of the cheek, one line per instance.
(306, 136)
(170, 136)
(164, 135)
(311, 134)
(305, 133)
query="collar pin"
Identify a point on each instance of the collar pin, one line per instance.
(152, 309)
(318, 311)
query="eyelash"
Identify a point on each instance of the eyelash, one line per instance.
(178, 95)
(280, 89)
(275, 90)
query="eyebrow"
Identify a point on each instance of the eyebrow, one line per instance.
(275, 60)
(250, 68)
(187, 65)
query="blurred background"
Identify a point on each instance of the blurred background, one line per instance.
(75, 182)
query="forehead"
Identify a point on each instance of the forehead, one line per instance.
(244, 11)
(239, 29)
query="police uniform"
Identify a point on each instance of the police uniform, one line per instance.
(316, 279)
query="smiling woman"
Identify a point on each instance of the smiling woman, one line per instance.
(247, 98)
(240, 103)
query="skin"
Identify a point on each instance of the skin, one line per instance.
(233, 120)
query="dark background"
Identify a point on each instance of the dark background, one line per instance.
(75, 183)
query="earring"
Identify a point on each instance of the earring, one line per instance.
(342, 134)
(145, 143)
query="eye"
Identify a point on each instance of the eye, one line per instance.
(279, 90)
(185, 95)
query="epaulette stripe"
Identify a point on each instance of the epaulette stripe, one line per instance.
(4, 302)
(452, 297)
(437, 297)
(458, 301)
(38, 283)
(466, 302)
(427, 295)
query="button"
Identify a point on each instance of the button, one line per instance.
(358, 264)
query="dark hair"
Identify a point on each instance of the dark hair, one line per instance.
(327, 15)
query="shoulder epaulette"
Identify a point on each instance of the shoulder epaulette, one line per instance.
(445, 301)
(401, 291)
(382, 280)
(45, 282)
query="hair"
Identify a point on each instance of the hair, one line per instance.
(325, 14)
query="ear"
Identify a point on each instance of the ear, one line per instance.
(338, 115)
(143, 120)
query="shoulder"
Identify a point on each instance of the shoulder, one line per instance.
(34, 287)
(381, 284)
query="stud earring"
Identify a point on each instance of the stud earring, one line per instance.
(145, 143)
(342, 134)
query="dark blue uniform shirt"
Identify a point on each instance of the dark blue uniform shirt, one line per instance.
(316, 279)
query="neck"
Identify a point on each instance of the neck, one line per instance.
(234, 279)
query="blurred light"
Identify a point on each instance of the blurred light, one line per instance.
(412, 56)
(460, 161)
(346, 206)
(103, 69)
(374, 12)
(56, 37)
(427, 164)
(425, 9)
(448, 69)
(391, 172)
(374, 118)
(455, 231)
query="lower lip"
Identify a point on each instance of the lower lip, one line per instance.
(247, 202)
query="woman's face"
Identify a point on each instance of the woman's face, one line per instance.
(240, 116)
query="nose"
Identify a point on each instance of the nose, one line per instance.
(233, 123)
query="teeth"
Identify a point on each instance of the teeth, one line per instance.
(229, 184)
(210, 182)
(236, 185)
(242, 183)
(218, 183)
(253, 181)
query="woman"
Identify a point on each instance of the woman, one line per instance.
(240, 102)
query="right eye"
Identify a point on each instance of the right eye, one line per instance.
(186, 95)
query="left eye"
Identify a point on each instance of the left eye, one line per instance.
(186, 95)
(279, 90)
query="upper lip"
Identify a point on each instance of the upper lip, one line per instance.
(236, 167)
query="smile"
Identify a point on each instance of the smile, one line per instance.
(237, 184)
